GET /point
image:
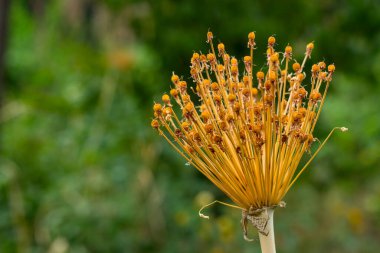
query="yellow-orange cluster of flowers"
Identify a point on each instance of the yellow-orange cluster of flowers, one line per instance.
(246, 132)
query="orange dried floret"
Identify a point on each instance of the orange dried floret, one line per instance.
(205, 115)
(157, 107)
(185, 125)
(254, 92)
(288, 50)
(175, 79)
(165, 98)
(274, 58)
(315, 68)
(215, 86)
(310, 46)
(210, 57)
(272, 76)
(271, 41)
(221, 48)
(210, 36)
(251, 36)
(296, 66)
(174, 93)
(231, 97)
(260, 75)
(155, 124)
(331, 68)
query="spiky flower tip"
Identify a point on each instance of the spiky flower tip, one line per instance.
(246, 132)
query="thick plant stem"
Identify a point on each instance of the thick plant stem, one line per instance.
(267, 241)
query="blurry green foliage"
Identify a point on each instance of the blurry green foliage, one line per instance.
(82, 171)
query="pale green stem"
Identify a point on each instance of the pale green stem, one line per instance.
(267, 242)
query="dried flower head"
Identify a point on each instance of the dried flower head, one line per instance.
(246, 132)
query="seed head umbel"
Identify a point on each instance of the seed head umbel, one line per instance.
(246, 130)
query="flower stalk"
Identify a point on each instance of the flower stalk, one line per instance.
(267, 242)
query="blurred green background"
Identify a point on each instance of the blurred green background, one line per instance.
(81, 170)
